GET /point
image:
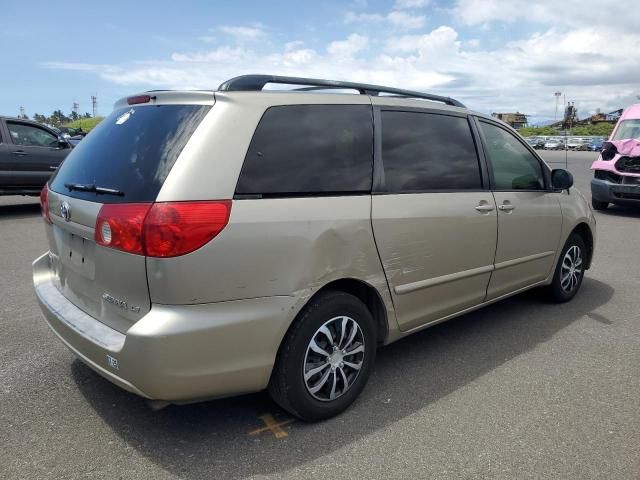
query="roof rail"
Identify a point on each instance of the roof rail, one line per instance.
(254, 83)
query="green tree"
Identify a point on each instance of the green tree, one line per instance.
(39, 118)
(58, 118)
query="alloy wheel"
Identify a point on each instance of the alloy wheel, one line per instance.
(571, 270)
(334, 358)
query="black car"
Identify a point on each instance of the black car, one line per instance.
(29, 154)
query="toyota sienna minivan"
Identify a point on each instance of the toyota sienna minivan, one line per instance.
(213, 243)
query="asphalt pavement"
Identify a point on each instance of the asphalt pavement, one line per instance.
(520, 389)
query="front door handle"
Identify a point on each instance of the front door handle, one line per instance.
(506, 207)
(20, 153)
(485, 208)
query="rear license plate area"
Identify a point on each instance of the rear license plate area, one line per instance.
(78, 255)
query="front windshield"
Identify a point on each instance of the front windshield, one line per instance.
(628, 129)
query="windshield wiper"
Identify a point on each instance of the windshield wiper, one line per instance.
(81, 187)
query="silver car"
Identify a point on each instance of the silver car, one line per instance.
(207, 244)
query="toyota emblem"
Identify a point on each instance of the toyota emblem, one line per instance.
(65, 211)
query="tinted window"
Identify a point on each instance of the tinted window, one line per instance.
(514, 166)
(423, 151)
(132, 150)
(308, 149)
(30, 136)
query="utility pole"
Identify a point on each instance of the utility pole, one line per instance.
(94, 104)
(22, 115)
(75, 108)
(557, 95)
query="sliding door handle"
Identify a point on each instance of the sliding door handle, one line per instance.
(485, 208)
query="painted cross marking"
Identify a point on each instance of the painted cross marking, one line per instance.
(272, 426)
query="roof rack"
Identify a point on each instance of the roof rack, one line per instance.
(255, 83)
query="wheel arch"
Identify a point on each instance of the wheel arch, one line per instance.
(368, 295)
(584, 231)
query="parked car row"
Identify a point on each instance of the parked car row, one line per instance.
(566, 143)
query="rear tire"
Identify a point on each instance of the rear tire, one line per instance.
(569, 272)
(598, 205)
(332, 319)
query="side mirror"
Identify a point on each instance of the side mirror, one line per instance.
(63, 142)
(561, 179)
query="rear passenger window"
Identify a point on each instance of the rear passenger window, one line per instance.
(424, 151)
(310, 149)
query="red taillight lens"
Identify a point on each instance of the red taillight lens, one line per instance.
(161, 229)
(119, 226)
(44, 204)
(176, 228)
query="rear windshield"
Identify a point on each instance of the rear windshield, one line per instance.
(131, 151)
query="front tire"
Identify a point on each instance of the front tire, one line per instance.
(326, 358)
(598, 205)
(569, 272)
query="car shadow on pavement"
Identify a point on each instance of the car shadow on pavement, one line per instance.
(211, 440)
(19, 210)
(621, 211)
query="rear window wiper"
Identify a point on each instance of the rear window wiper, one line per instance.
(81, 187)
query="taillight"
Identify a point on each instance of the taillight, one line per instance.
(164, 230)
(176, 228)
(119, 226)
(44, 204)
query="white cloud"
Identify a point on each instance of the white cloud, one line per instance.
(576, 13)
(243, 32)
(406, 21)
(352, 17)
(399, 20)
(401, 4)
(596, 63)
(293, 45)
(221, 54)
(348, 48)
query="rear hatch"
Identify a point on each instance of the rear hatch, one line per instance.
(124, 160)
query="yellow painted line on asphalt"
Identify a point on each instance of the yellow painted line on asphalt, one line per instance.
(272, 426)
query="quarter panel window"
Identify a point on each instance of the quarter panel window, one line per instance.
(30, 136)
(424, 151)
(309, 149)
(513, 166)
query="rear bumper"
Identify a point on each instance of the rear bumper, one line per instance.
(605, 191)
(174, 353)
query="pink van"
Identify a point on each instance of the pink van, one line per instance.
(617, 170)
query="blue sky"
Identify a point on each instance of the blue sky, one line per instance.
(494, 55)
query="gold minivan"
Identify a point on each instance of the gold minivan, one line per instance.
(213, 243)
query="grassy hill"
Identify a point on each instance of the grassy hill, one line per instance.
(85, 123)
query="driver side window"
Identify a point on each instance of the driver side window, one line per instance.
(30, 136)
(514, 167)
